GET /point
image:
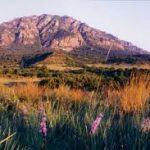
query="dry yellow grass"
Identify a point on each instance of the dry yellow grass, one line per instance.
(65, 93)
(112, 96)
(25, 97)
(28, 90)
(30, 95)
(6, 92)
(133, 96)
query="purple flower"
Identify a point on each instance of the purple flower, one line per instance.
(95, 124)
(43, 128)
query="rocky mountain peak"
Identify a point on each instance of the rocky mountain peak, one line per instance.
(55, 32)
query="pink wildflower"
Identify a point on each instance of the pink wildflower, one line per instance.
(95, 124)
(43, 128)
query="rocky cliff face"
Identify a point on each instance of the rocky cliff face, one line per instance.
(63, 33)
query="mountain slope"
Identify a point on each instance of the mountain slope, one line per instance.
(47, 32)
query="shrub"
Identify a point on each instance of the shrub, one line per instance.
(82, 81)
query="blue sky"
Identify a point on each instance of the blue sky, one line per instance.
(128, 20)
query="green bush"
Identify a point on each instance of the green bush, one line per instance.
(84, 81)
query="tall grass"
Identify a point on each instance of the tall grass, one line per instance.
(133, 96)
(70, 113)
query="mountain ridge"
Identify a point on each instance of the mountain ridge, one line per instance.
(56, 33)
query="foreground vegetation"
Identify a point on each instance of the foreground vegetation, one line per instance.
(59, 111)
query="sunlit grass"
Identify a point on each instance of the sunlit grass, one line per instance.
(133, 96)
(70, 113)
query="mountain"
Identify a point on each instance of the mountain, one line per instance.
(47, 32)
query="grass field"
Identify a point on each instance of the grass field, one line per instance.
(88, 111)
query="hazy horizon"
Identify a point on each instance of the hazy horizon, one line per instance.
(128, 20)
